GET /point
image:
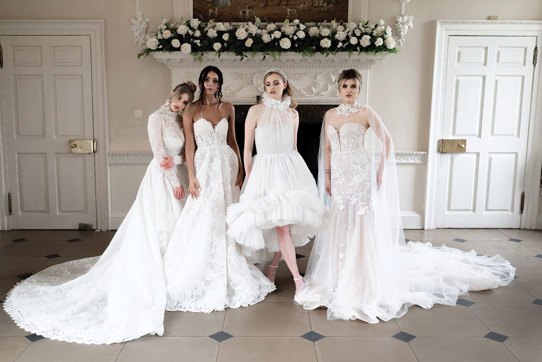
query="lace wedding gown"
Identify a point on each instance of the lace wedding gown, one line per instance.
(360, 266)
(280, 190)
(203, 267)
(119, 295)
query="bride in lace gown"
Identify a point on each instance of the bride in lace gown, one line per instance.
(204, 269)
(119, 295)
(360, 266)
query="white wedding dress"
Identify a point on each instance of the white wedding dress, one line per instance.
(119, 295)
(204, 268)
(280, 190)
(360, 266)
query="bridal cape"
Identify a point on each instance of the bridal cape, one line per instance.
(360, 266)
(119, 295)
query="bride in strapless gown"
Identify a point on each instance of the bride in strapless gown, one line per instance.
(204, 268)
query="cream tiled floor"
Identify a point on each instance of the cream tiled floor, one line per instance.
(497, 325)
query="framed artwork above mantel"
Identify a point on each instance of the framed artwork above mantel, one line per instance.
(272, 10)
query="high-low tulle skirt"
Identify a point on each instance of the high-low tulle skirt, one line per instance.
(279, 191)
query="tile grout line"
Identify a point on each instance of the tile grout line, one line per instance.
(220, 343)
(313, 343)
(20, 354)
(122, 349)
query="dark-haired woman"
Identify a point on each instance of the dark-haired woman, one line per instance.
(204, 269)
(119, 295)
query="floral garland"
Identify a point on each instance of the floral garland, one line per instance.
(196, 37)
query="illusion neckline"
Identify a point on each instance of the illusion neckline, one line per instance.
(211, 123)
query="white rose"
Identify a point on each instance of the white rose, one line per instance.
(197, 33)
(353, 40)
(166, 34)
(241, 33)
(365, 41)
(217, 46)
(351, 25)
(340, 45)
(152, 43)
(388, 30)
(197, 42)
(182, 29)
(300, 34)
(325, 43)
(379, 31)
(381, 22)
(266, 38)
(271, 27)
(341, 35)
(225, 36)
(228, 26)
(379, 42)
(249, 42)
(288, 30)
(325, 32)
(389, 42)
(367, 30)
(186, 48)
(302, 27)
(175, 43)
(340, 28)
(357, 32)
(296, 21)
(285, 43)
(252, 29)
(314, 31)
(195, 22)
(277, 34)
(211, 33)
(220, 27)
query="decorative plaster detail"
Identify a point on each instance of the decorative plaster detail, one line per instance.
(403, 22)
(118, 158)
(412, 157)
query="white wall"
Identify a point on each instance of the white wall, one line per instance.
(399, 87)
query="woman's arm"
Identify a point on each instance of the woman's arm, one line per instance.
(232, 141)
(190, 149)
(250, 129)
(296, 127)
(327, 157)
(154, 128)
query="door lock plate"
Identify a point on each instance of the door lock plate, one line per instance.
(452, 146)
(83, 146)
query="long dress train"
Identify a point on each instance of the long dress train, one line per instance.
(119, 295)
(204, 268)
(360, 266)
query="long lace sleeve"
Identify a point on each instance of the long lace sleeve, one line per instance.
(154, 129)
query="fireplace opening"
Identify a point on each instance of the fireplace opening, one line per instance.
(308, 134)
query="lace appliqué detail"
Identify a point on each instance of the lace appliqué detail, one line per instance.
(350, 167)
(346, 109)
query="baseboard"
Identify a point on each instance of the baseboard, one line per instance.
(412, 220)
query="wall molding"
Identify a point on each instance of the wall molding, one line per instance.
(95, 30)
(444, 30)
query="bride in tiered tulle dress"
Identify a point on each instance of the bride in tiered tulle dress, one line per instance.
(204, 268)
(120, 295)
(360, 266)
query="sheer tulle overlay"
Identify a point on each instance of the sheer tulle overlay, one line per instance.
(360, 266)
(280, 190)
(120, 295)
(204, 268)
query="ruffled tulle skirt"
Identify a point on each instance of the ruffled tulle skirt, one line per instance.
(113, 298)
(279, 191)
(355, 279)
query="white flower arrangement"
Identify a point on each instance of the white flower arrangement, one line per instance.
(196, 37)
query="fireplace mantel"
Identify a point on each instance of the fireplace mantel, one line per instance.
(313, 79)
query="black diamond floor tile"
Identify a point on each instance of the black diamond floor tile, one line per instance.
(24, 276)
(459, 240)
(539, 256)
(464, 302)
(514, 240)
(299, 256)
(18, 240)
(74, 240)
(403, 336)
(537, 301)
(52, 256)
(312, 336)
(496, 337)
(221, 336)
(34, 337)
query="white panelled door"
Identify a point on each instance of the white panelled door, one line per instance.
(487, 101)
(47, 98)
